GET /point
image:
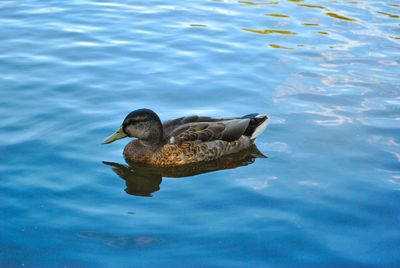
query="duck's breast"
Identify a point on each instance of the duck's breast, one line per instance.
(135, 151)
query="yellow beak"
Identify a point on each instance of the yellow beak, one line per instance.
(119, 134)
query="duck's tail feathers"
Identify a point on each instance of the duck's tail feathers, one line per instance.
(262, 123)
(256, 126)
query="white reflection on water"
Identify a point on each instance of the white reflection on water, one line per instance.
(88, 44)
(310, 183)
(329, 112)
(397, 155)
(258, 183)
(277, 146)
(395, 180)
(390, 141)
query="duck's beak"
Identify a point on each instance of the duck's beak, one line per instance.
(119, 134)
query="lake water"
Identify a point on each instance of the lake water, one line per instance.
(326, 73)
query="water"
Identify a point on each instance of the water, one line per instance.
(327, 74)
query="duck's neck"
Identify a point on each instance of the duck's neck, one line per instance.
(155, 136)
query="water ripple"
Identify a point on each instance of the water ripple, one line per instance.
(327, 74)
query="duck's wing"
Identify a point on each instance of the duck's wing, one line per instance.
(215, 129)
(171, 125)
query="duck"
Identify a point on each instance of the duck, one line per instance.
(185, 140)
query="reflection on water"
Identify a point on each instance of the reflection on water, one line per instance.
(311, 6)
(393, 16)
(340, 17)
(258, 3)
(279, 46)
(144, 180)
(277, 15)
(198, 25)
(269, 31)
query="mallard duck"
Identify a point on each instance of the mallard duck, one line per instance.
(185, 140)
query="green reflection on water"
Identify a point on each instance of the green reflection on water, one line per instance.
(310, 24)
(394, 5)
(311, 6)
(198, 25)
(296, 1)
(269, 31)
(395, 37)
(325, 33)
(340, 17)
(393, 16)
(258, 3)
(280, 47)
(277, 15)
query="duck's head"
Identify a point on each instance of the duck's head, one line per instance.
(143, 124)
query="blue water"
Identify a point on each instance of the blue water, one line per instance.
(326, 73)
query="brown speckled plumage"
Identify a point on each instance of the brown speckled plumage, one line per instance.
(184, 153)
(188, 139)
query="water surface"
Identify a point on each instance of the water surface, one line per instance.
(327, 74)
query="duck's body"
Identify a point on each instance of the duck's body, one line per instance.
(185, 153)
(186, 140)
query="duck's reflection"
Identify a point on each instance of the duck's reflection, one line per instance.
(144, 180)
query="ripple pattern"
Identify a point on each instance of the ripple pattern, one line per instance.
(327, 74)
